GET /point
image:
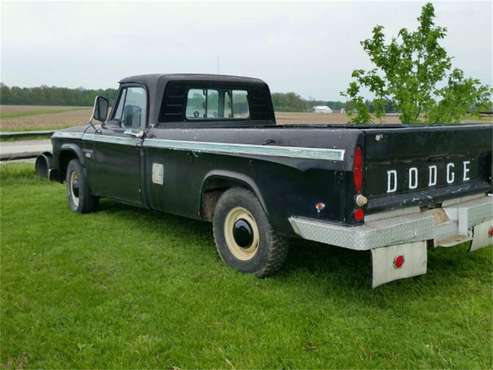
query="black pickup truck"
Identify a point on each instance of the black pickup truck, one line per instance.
(208, 147)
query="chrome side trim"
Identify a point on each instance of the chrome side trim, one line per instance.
(263, 150)
(215, 147)
(67, 135)
(112, 139)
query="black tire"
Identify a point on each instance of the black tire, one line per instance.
(79, 196)
(238, 217)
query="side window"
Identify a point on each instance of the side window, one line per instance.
(134, 111)
(228, 105)
(217, 104)
(212, 104)
(202, 104)
(132, 108)
(240, 104)
(196, 104)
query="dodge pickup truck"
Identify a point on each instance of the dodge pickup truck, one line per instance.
(208, 147)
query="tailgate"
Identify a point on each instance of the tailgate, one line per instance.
(425, 165)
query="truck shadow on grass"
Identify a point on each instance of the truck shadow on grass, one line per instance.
(321, 264)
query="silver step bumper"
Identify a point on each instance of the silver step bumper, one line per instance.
(450, 225)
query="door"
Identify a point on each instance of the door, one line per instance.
(113, 154)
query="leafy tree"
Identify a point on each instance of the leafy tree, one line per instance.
(51, 95)
(292, 102)
(289, 102)
(415, 73)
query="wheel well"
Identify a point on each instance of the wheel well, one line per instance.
(65, 157)
(212, 190)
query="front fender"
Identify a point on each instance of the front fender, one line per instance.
(62, 155)
(71, 147)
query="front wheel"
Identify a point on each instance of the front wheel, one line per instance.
(244, 237)
(79, 197)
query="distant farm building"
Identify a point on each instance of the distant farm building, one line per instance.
(322, 109)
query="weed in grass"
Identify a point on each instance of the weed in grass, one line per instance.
(130, 288)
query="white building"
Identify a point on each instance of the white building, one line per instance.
(322, 109)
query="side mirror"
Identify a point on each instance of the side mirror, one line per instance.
(100, 111)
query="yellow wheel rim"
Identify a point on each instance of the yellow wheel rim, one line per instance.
(240, 220)
(74, 188)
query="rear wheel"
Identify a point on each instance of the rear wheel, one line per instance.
(79, 197)
(244, 236)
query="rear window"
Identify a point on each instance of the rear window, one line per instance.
(217, 104)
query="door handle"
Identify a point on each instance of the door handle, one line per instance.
(137, 134)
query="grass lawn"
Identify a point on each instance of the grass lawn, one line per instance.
(129, 288)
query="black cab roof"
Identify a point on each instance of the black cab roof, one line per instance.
(156, 77)
(156, 84)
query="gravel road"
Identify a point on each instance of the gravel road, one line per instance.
(23, 148)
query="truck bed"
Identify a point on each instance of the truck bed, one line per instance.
(462, 151)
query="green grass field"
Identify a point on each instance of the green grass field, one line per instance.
(129, 288)
(33, 112)
(29, 118)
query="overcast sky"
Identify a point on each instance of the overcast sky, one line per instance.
(309, 48)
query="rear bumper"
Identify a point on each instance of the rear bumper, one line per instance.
(451, 224)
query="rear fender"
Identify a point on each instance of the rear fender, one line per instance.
(222, 179)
